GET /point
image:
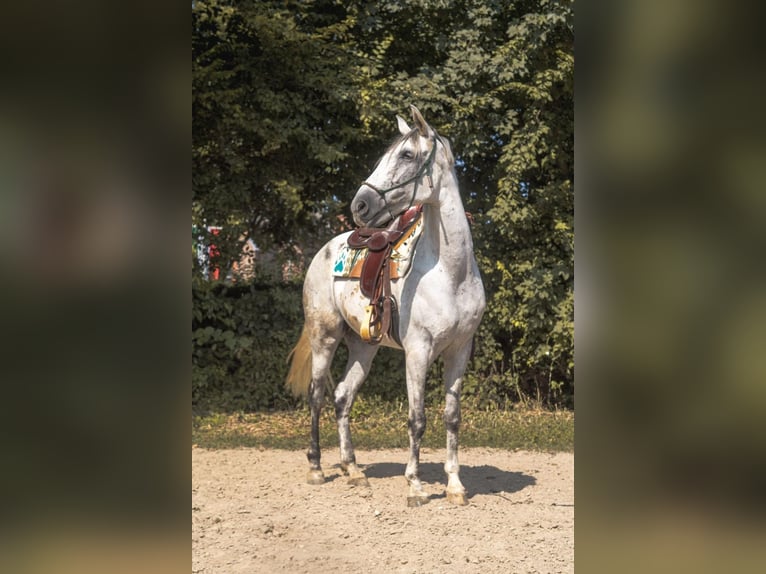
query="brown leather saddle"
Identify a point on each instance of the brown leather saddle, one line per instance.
(375, 281)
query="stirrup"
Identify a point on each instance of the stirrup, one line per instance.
(370, 329)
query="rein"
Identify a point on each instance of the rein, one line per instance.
(425, 169)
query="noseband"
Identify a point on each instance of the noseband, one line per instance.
(426, 169)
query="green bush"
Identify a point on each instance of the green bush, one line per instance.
(242, 334)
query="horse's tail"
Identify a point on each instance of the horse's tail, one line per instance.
(299, 377)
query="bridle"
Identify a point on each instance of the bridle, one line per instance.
(426, 169)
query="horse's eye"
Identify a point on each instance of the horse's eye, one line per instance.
(406, 154)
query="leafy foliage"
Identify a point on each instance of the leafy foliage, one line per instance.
(240, 338)
(273, 124)
(293, 101)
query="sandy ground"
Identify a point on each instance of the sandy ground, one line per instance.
(252, 511)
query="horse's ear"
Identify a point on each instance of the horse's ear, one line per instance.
(404, 129)
(423, 127)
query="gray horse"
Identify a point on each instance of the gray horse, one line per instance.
(440, 304)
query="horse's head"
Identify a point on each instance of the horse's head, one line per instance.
(409, 173)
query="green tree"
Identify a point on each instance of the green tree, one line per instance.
(295, 100)
(497, 78)
(274, 122)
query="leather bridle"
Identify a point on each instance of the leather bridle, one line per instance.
(425, 169)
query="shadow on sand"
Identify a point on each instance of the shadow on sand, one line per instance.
(483, 479)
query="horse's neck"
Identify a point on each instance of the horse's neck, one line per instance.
(448, 233)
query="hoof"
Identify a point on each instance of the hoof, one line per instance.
(458, 498)
(315, 477)
(413, 501)
(358, 481)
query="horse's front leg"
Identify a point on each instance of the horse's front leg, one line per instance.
(417, 368)
(455, 363)
(360, 356)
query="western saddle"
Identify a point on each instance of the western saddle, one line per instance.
(381, 315)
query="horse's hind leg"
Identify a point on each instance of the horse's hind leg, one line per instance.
(455, 363)
(360, 356)
(316, 397)
(323, 350)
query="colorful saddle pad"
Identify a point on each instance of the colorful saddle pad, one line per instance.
(350, 261)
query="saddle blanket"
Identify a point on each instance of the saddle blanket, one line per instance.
(350, 261)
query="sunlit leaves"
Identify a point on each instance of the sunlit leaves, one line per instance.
(293, 101)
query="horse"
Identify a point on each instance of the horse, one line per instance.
(439, 305)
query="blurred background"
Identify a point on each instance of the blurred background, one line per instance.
(94, 305)
(671, 289)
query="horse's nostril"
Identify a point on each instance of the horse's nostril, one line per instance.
(361, 207)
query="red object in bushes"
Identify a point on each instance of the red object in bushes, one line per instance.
(212, 254)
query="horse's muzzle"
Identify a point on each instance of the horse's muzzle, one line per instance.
(363, 205)
(359, 207)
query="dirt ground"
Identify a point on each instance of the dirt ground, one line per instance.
(253, 512)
